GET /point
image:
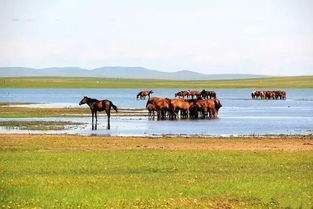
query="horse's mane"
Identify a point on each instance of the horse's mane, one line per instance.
(92, 100)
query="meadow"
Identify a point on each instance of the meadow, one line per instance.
(7, 111)
(68, 82)
(53, 171)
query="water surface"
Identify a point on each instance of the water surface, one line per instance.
(240, 115)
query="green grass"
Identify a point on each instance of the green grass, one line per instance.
(65, 82)
(34, 112)
(38, 125)
(25, 112)
(37, 176)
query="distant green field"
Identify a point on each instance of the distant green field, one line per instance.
(66, 82)
(71, 172)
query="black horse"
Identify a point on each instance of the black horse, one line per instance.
(98, 105)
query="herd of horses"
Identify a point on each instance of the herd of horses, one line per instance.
(196, 94)
(166, 108)
(268, 95)
(182, 94)
(198, 104)
(186, 104)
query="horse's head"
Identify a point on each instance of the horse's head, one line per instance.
(84, 100)
(151, 92)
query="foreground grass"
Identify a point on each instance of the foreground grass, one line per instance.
(116, 172)
(65, 82)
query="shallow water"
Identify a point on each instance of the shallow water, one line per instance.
(239, 115)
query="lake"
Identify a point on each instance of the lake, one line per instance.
(240, 115)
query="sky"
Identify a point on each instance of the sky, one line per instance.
(270, 37)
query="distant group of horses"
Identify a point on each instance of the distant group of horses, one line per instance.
(196, 94)
(182, 94)
(268, 95)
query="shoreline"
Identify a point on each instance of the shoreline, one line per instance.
(171, 136)
(106, 143)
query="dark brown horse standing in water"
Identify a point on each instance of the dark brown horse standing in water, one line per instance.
(98, 105)
(143, 94)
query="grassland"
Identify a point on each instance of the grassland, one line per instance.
(7, 111)
(65, 82)
(25, 112)
(119, 172)
(38, 125)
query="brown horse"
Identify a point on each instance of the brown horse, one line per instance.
(181, 105)
(98, 105)
(208, 107)
(143, 94)
(270, 95)
(258, 95)
(162, 106)
(152, 109)
(193, 94)
(206, 94)
(181, 94)
(280, 94)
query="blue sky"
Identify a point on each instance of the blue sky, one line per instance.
(273, 37)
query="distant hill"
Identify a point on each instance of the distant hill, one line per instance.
(119, 72)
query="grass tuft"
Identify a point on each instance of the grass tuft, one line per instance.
(38, 125)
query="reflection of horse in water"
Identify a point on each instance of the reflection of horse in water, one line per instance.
(143, 94)
(98, 105)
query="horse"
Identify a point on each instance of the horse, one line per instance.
(208, 107)
(270, 95)
(98, 105)
(258, 95)
(194, 94)
(143, 94)
(181, 105)
(162, 106)
(253, 96)
(280, 94)
(206, 94)
(151, 108)
(182, 94)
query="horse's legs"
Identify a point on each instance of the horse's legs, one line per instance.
(159, 114)
(96, 121)
(92, 114)
(109, 114)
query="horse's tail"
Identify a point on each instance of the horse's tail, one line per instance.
(148, 102)
(217, 104)
(114, 107)
(138, 95)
